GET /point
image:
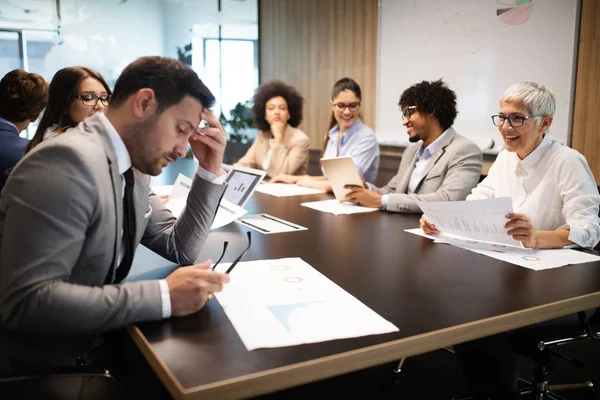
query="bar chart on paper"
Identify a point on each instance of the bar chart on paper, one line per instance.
(482, 220)
(286, 302)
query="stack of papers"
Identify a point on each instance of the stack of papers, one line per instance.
(533, 259)
(285, 189)
(286, 302)
(481, 220)
(337, 208)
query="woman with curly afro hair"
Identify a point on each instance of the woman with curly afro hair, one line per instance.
(280, 147)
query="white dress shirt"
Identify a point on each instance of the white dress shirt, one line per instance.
(423, 157)
(123, 164)
(553, 186)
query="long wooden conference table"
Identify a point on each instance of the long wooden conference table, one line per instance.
(437, 295)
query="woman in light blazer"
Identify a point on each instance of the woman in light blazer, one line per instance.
(279, 148)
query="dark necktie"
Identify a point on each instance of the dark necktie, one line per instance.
(128, 228)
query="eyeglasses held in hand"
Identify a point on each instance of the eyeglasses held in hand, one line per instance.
(234, 263)
(516, 121)
(408, 111)
(92, 99)
(342, 106)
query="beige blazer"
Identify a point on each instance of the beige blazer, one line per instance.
(453, 170)
(291, 157)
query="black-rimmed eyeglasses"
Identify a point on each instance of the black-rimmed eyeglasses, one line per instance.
(234, 263)
(516, 121)
(408, 111)
(342, 106)
(89, 99)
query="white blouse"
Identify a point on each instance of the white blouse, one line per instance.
(553, 186)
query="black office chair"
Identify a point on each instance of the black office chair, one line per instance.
(539, 345)
(78, 383)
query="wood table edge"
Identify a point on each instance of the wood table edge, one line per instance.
(163, 372)
(288, 376)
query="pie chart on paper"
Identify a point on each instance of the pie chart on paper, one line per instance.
(515, 12)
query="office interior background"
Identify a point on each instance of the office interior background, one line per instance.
(236, 44)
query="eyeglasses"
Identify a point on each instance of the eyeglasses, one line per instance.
(342, 106)
(516, 121)
(234, 263)
(408, 111)
(92, 99)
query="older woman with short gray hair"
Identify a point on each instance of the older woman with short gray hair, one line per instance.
(553, 191)
(555, 201)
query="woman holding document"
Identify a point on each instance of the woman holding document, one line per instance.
(347, 136)
(556, 204)
(553, 191)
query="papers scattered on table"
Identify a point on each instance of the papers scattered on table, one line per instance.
(533, 259)
(337, 208)
(267, 224)
(226, 213)
(285, 189)
(286, 302)
(480, 220)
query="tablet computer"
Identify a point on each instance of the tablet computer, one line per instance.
(341, 171)
(241, 184)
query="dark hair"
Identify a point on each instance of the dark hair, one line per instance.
(341, 85)
(266, 92)
(64, 88)
(23, 95)
(432, 98)
(171, 81)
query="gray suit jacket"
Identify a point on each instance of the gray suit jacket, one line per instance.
(60, 235)
(453, 170)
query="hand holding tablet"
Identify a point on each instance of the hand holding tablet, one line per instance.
(341, 172)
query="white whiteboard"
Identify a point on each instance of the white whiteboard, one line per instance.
(478, 55)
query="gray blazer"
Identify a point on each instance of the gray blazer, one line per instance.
(453, 170)
(60, 235)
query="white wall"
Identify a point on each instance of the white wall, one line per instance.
(478, 55)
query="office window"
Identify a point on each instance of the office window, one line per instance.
(47, 35)
(231, 71)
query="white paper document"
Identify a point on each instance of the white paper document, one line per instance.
(267, 224)
(481, 220)
(337, 208)
(285, 189)
(162, 190)
(533, 259)
(226, 213)
(286, 302)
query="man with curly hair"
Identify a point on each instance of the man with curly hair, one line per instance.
(279, 148)
(440, 165)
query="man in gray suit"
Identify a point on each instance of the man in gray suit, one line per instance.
(76, 207)
(442, 166)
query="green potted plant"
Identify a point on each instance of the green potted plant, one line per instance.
(237, 128)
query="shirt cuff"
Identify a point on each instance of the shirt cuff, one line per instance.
(384, 201)
(165, 296)
(576, 235)
(210, 177)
